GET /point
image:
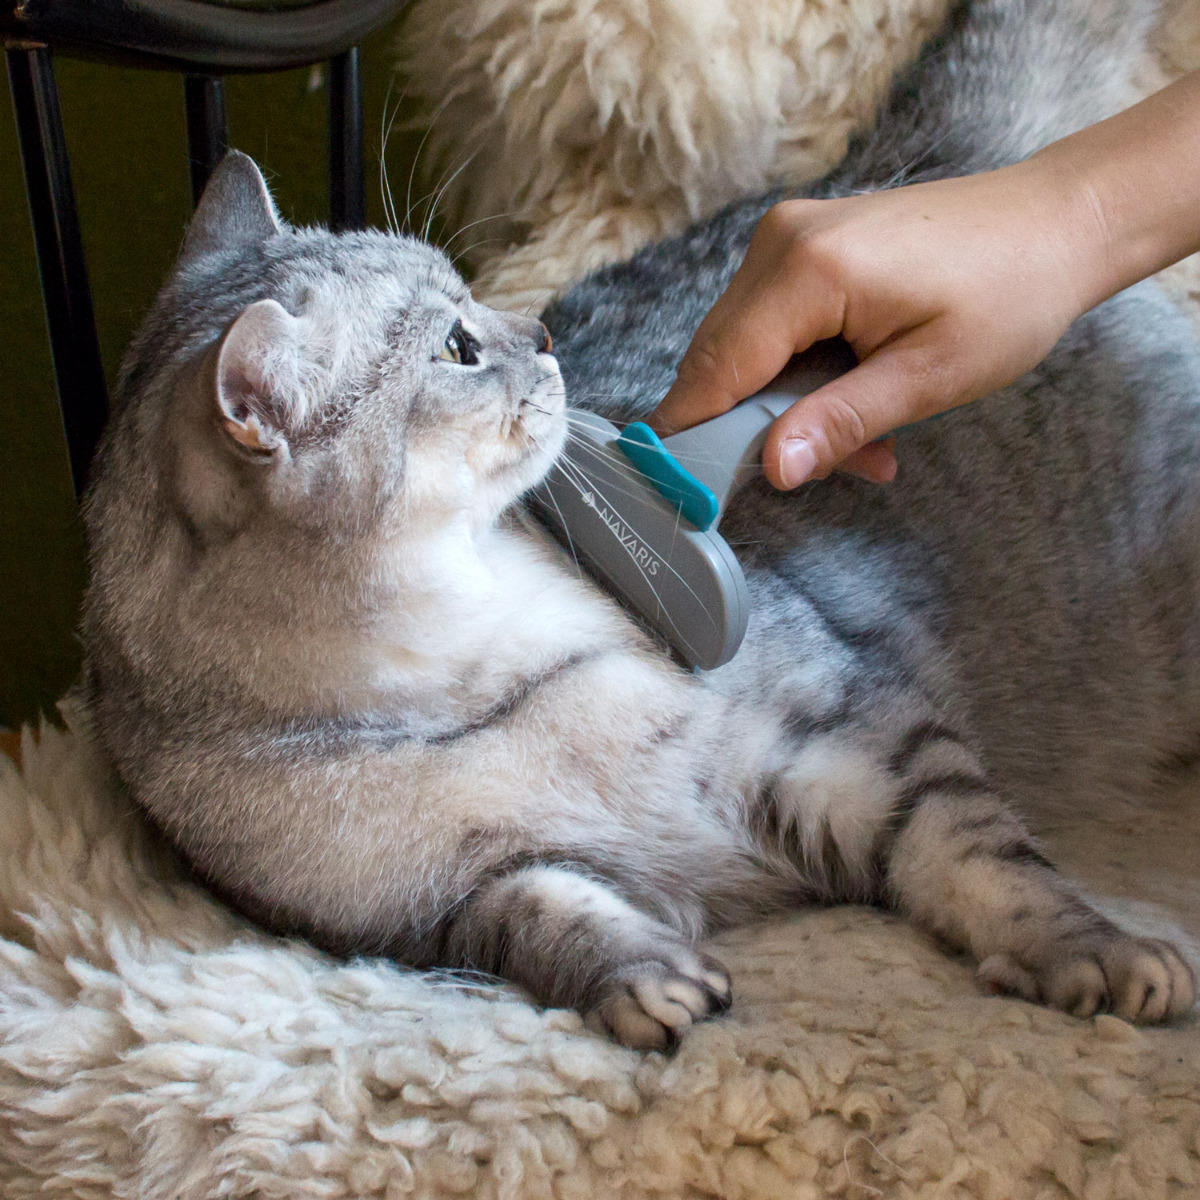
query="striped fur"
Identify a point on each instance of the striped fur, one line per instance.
(374, 705)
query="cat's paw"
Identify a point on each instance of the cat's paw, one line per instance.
(1141, 979)
(653, 1001)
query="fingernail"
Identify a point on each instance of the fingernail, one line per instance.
(797, 462)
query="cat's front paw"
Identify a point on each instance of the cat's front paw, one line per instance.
(1141, 979)
(651, 1002)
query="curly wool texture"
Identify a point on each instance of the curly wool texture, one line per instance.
(153, 1045)
(568, 135)
(596, 127)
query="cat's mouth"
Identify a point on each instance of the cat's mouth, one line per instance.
(532, 432)
(536, 433)
(540, 417)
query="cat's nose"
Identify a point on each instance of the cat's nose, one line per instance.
(522, 327)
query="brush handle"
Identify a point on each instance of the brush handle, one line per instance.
(725, 453)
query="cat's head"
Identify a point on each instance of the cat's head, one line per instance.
(335, 382)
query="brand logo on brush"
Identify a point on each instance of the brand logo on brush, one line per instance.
(632, 543)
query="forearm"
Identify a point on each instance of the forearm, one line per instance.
(947, 290)
(1136, 179)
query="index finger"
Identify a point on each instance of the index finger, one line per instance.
(759, 322)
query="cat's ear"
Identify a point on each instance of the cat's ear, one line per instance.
(257, 385)
(236, 208)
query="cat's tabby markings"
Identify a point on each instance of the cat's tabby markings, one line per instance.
(371, 703)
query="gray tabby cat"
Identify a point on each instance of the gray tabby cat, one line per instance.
(372, 703)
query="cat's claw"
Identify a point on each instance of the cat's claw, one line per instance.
(1141, 979)
(655, 1001)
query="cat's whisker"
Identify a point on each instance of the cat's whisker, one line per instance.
(461, 254)
(603, 454)
(581, 473)
(607, 456)
(385, 133)
(588, 484)
(691, 459)
(440, 191)
(478, 221)
(383, 138)
(425, 200)
(583, 484)
(615, 397)
(625, 517)
(562, 518)
(909, 172)
(408, 204)
(610, 456)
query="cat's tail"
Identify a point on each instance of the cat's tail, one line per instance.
(1005, 78)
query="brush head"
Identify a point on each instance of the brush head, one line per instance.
(682, 581)
(640, 513)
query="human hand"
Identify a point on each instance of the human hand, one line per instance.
(945, 290)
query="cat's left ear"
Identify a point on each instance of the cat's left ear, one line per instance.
(236, 208)
(258, 380)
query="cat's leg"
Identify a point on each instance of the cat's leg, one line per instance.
(570, 940)
(961, 864)
(910, 819)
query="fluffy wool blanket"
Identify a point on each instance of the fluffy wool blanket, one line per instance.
(152, 1045)
(564, 134)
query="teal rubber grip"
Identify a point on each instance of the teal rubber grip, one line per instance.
(643, 447)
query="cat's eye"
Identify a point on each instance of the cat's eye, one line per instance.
(459, 347)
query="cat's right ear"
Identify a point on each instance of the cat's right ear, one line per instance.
(236, 208)
(258, 380)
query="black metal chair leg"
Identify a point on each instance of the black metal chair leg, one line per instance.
(207, 128)
(347, 191)
(78, 370)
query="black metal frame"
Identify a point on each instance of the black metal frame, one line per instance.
(207, 128)
(203, 41)
(74, 346)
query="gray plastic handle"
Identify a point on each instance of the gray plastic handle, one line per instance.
(683, 582)
(725, 453)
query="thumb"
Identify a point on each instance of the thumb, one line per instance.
(896, 385)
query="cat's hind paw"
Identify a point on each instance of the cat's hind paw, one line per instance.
(653, 1002)
(1141, 979)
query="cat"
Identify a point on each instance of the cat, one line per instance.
(372, 702)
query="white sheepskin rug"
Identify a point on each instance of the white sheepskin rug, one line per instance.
(152, 1045)
(590, 127)
(565, 134)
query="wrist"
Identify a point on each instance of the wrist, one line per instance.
(1076, 216)
(1133, 180)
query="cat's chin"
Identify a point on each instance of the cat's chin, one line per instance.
(535, 465)
(530, 466)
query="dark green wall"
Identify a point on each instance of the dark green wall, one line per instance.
(125, 134)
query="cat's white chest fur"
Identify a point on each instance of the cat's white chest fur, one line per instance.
(472, 611)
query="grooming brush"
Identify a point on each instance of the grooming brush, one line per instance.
(641, 512)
